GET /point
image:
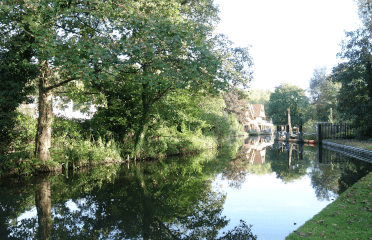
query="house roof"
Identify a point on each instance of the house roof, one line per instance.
(259, 157)
(257, 108)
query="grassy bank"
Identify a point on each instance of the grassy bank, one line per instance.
(74, 153)
(75, 144)
(349, 217)
(353, 143)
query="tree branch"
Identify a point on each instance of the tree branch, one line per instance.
(160, 96)
(87, 93)
(59, 84)
(166, 228)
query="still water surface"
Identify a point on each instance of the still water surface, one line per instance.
(274, 187)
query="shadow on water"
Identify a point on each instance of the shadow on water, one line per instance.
(353, 169)
(169, 199)
(331, 172)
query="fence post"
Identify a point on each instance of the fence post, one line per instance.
(345, 131)
(320, 133)
(319, 153)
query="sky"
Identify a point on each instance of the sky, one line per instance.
(288, 38)
(270, 205)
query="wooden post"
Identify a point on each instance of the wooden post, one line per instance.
(300, 152)
(287, 134)
(289, 120)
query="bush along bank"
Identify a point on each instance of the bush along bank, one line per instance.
(349, 217)
(76, 144)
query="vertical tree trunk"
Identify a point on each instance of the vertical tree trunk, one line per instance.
(44, 125)
(44, 210)
(289, 120)
(369, 79)
(143, 125)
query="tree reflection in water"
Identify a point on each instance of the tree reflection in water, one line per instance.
(167, 199)
(153, 200)
(331, 173)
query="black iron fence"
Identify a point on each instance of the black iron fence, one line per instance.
(334, 131)
(329, 156)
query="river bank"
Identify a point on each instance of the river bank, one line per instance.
(349, 216)
(367, 145)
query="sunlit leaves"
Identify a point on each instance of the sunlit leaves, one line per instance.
(287, 96)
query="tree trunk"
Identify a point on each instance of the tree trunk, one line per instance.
(44, 210)
(143, 126)
(369, 79)
(140, 135)
(44, 124)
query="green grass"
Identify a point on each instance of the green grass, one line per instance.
(352, 143)
(349, 217)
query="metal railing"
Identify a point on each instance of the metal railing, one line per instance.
(334, 131)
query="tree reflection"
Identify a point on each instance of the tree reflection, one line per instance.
(286, 161)
(44, 210)
(152, 200)
(324, 179)
(353, 171)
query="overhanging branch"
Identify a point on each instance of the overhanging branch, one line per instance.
(59, 84)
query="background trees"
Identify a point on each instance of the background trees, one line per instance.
(259, 96)
(287, 96)
(323, 97)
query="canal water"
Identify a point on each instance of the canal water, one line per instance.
(250, 187)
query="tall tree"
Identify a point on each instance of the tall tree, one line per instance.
(67, 40)
(355, 76)
(287, 96)
(323, 96)
(155, 46)
(365, 12)
(236, 103)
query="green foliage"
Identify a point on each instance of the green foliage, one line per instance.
(75, 145)
(16, 73)
(259, 96)
(324, 97)
(124, 56)
(82, 152)
(260, 169)
(236, 103)
(355, 77)
(236, 127)
(18, 148)
(287, 96)
(71, 128)
(169, 141)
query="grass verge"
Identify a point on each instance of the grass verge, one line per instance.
(352, 143)
(349, 217)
